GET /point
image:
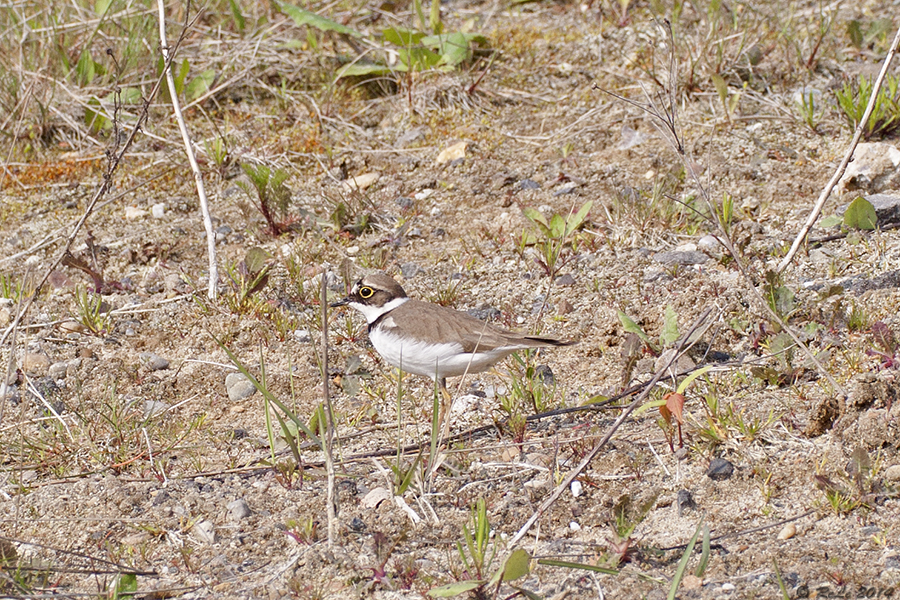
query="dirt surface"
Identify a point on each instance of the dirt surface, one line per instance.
(137, 460)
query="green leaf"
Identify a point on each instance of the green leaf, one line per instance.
(453, 47)
(181, 75)
(682, 564)
(574, 565)
(631, 327)
(690, 378)
(557, 226)
(94, 117)
(648, 405)
(199, 85)
(455, 589)
(517, 565)
(102, 6)
(362, 69)
(402, 37)
(576, 220)
(721, 87)
(255, 259)
(304, 17)
(538, 219)
(860, 215)
(854, 30)
(237, 16)
(86, 68)
(670, 327)
(830, 221)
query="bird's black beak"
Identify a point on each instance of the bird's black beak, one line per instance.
(341, 302)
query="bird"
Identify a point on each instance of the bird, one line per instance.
(428, 339)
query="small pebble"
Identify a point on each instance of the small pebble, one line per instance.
(577, 488)
(720, 469)
(528, 184)
(35, 362)
(158, 210)
(892, 473)
(787, 532)
(58, 370)
(357, 524)
(238, 509)
(566, 279)
(238, 387)
(564, 307)
(204, 531)
(685, 502)
(153, 408)
(154, 362)
(574, 526)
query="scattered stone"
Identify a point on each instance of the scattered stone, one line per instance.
(153, 361)
(465, 405)
(887, 207)
(566, 188)
(682, 363)
(787, 532)
(238, 387)
(682, 453)
(545, 374)
(684, 501)
(238, 509)
(528, 184)
(564, 307)
(720, 469)
(411, 135)
(158, 211)
(455, 152)
(577, 488)
(153, 408)
(564, 280)
(574, 526)
(691, 582)
(892, 473)
(133, 212)
(35, 362)
(874, 169)
(5, 316)
(375, 497)
(85, 353)
(357, 525)
(222, 232)
(710, 243)
(888, 280)
(204, 531)
(405, 202)
(410, 270)
(684, 259)
(303, 336)
(58, 370)
(360, 182)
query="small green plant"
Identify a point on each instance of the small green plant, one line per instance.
(856, 488)
(270, 195)
(478, 559)
(247, 278)
(304, 531)
(805, 104)
(779, 297)
(852, 99)
(555, 240)
(92, 312)
(884, 345)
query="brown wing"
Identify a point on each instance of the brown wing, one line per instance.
(438, 324)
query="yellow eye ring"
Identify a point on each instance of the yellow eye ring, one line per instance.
(366, 292)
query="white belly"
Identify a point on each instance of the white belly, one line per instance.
(433, 360)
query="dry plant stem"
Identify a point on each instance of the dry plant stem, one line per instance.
(609, 433)
(665, 119)
(848, 156)
(188, 149)
(330, 498)
(113, 166)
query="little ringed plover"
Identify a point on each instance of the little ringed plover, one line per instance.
(428, 339)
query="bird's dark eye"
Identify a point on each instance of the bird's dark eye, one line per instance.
(366, 292)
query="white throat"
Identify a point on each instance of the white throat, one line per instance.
(373, 312)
